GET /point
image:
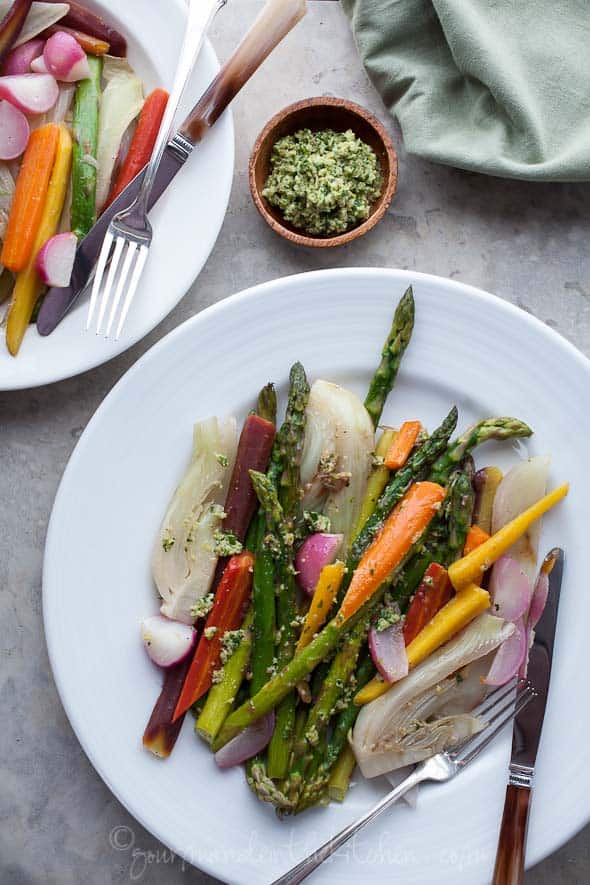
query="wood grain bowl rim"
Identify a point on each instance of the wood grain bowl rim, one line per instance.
(386, 194)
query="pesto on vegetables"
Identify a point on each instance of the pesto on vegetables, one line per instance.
(323, 182)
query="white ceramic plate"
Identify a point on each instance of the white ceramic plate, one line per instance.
(468, 348)
(186, 220)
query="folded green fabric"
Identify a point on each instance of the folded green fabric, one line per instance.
(494, 86)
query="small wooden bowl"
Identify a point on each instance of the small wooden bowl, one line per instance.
(315, 114)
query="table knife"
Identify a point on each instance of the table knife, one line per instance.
(274, 22)
(528, 723)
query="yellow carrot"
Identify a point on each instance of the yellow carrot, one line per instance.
(377, 480)
(456, 614)
(470, 568)
(323, 599)
(28, 285)
(29, 197)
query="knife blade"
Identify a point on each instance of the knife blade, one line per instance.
(528, 724)
(58, 301)
(273, 23)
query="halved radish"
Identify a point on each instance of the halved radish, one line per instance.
(65, 58)
(30, 93)
(38, 65)
(14, 131)
(19, 60)
(167, 642)
(55, 259)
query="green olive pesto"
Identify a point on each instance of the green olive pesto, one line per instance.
(323, 182)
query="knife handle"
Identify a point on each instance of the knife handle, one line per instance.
(511, 844)
(275, 21)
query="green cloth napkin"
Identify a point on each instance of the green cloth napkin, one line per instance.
(494, 86)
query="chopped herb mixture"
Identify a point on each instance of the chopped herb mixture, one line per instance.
(226, 544)
(323, 182)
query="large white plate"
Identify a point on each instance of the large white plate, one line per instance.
(186, 220)
(468, 348)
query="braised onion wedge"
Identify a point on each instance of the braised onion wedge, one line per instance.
(428, 710)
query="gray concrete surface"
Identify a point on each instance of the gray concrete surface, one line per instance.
(528, 243)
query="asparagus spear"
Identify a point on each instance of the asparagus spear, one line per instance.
(267, 403)
(337, 680)
(85, 129)
(315, 785)
(222, 694)
(391, 356)
(491, 428)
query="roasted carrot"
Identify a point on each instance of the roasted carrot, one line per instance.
(475, 537)
(400, 531)
(142, 144)
(162, 730)
(402, 445)
(229, 608)
(28, 286)
(91, 45)
(470, 568)
(29, 197)
(433, 592)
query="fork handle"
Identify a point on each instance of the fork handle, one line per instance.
(200, 15)
(511, 843)
(302, 870)
(274, 22)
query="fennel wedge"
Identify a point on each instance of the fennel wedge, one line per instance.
(184, 557)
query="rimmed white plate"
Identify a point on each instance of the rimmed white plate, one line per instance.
(468, 348)
(186, 220)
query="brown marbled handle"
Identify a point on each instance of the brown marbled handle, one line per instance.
(275, 21)
(511, 844)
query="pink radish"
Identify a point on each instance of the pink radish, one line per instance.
(38, 65)
(65, 58)
(388, 651)
(167, 642)
(19, 60)
(14, 131)
(317, 550)
(30, 93)
(55, 259)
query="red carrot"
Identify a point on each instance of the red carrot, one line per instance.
(229, 608)
(434, 592)
(142, 144)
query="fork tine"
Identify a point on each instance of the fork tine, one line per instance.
(495, 697)
(108, 288)
(137, 272)
(98, 275)
(129, 256)
(494, 725)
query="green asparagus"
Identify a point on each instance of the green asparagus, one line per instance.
(491, 428)
(267, 403)
(391, 356)
(222, 694)
(85, 130)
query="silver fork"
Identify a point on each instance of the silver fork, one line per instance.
(499, 708)
(131, 227)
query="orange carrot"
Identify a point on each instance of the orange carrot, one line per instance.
(29, 197)
(90, 44)
(401, 530)
(142, 144)
(231, 599)
(402, 445)
(475, 537)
